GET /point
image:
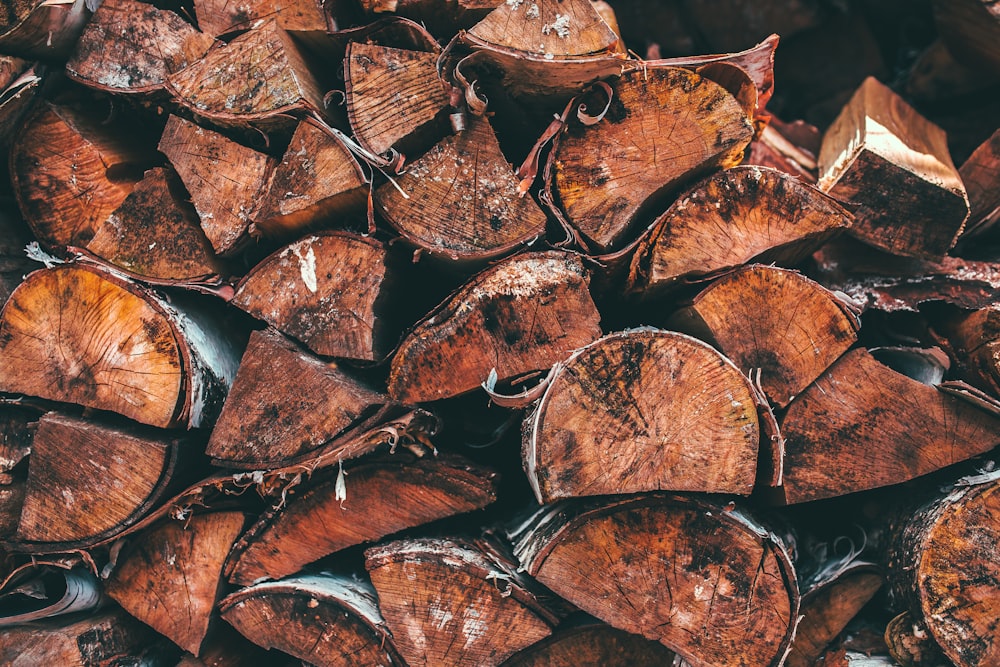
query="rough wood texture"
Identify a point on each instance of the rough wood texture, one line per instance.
(41, 30)
(643, 410)
(326, 291)
(171, 578)
(546, 27)
(592, 644)
(686, 549)
(981, 177)
(775, 320)
(455, 602)
(221, 17)
(862, 425)
(523, 314)
(664, 126)
(972, 30)
(327, 620)
(461, 199)
(70, 173)
(283, 404)
(375, 499)
(155, 233)
(894, 166)
(131, 47)
(224, 178)
(974, 342)
(733, 217)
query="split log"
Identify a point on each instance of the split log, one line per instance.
(974, 344)
(131, 47)
(327, 291)
(82, 335)
(737, 572)
(894, 166)
(778, 147)
(523, 314)
(317, 182)
(20, 83)
(664, 127)
(224, 178)
(300, 18)
(740, 215)
(942, 569)
(456, 602)
(360, 503)
(171, 577)
(460, 200)
(88, 481)
(775, 320)
(41, 30)
(156, 233)
(324, 619)
(971, 29)
(591, 643)
(863, 425)
(643, 410)
(981, 176)
(70, 172)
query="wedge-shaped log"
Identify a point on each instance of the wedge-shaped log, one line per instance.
(394, 97)
(862, 425)
(462, 199)
(731, 218)
(283, 404)
(326, 291)
(88, 481)
(374, 499)
(171, 578)
(325, 619)
(258, 79)
(224, 178)
(643, 410)
(456, 602)
(155, 233)
(894, 165)
(775, 320)
(716, 587)
(943, 569)
(131, 47)
(220, 17)
(88, 336)
(317, 182)
(663, 128)
(974, 339)
(70, 173)
(523, 314)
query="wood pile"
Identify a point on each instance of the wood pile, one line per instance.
(500, 332)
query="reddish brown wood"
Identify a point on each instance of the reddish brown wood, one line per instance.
(41, 30)
(971, 29)
(218, 17)
(980, 176)
(592, 644)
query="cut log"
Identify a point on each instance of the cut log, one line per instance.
(131, 47)
(220, 17)
(523, 314)
(981, 177)
(324, 619)
(456, 602)
(171, 577)
(643, 410)
(862, 425)
(20, 83)
(317, 183)
(441, 18)
(894, 166)
(155, 233)
(974, 342)
(461, 200)
(776, 148)
(943, 569)
(591, 643)
(259, 79)
(737, 572)
(283, 404)
(70, 173)
(663, 128)
(42, 30)
(363, 503)
(394, 97)
(731, 218)
(775, 320)
(82, 335)
(971, 29)
(224, 178)
(88, 481)
(327, 291)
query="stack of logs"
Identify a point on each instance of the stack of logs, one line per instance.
(454, 332)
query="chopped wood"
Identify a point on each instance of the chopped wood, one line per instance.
(974, 342)
(171, 578)
(643, 410)
(592, 643)
(17, 96)
(981, 177)
(523, 314)
(42, 30)
(893, 166)
(220, 17)
(440, 16)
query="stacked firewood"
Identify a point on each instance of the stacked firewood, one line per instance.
(458, 332)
